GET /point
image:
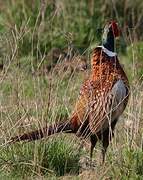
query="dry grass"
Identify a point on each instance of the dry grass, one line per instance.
(29, 101)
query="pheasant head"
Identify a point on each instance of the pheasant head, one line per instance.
(111, 31)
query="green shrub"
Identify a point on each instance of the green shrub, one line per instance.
(135, 57)
(59, 155)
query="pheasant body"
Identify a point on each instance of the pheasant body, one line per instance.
(99, 93)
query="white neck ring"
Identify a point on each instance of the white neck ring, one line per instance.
(109, 53)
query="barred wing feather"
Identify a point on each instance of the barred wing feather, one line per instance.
(110, 106)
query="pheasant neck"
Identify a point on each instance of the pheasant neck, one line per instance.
(109, 42)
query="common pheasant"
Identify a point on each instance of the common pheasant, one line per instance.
(65, 59)
(69, 66)
(102, 99)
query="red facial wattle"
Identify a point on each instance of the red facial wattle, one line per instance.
(115, 29)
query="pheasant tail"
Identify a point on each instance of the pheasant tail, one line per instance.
(44, 132)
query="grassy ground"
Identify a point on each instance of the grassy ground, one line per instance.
(28, 100)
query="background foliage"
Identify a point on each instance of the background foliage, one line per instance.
(28, 32)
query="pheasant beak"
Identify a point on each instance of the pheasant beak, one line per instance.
(83, 67)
